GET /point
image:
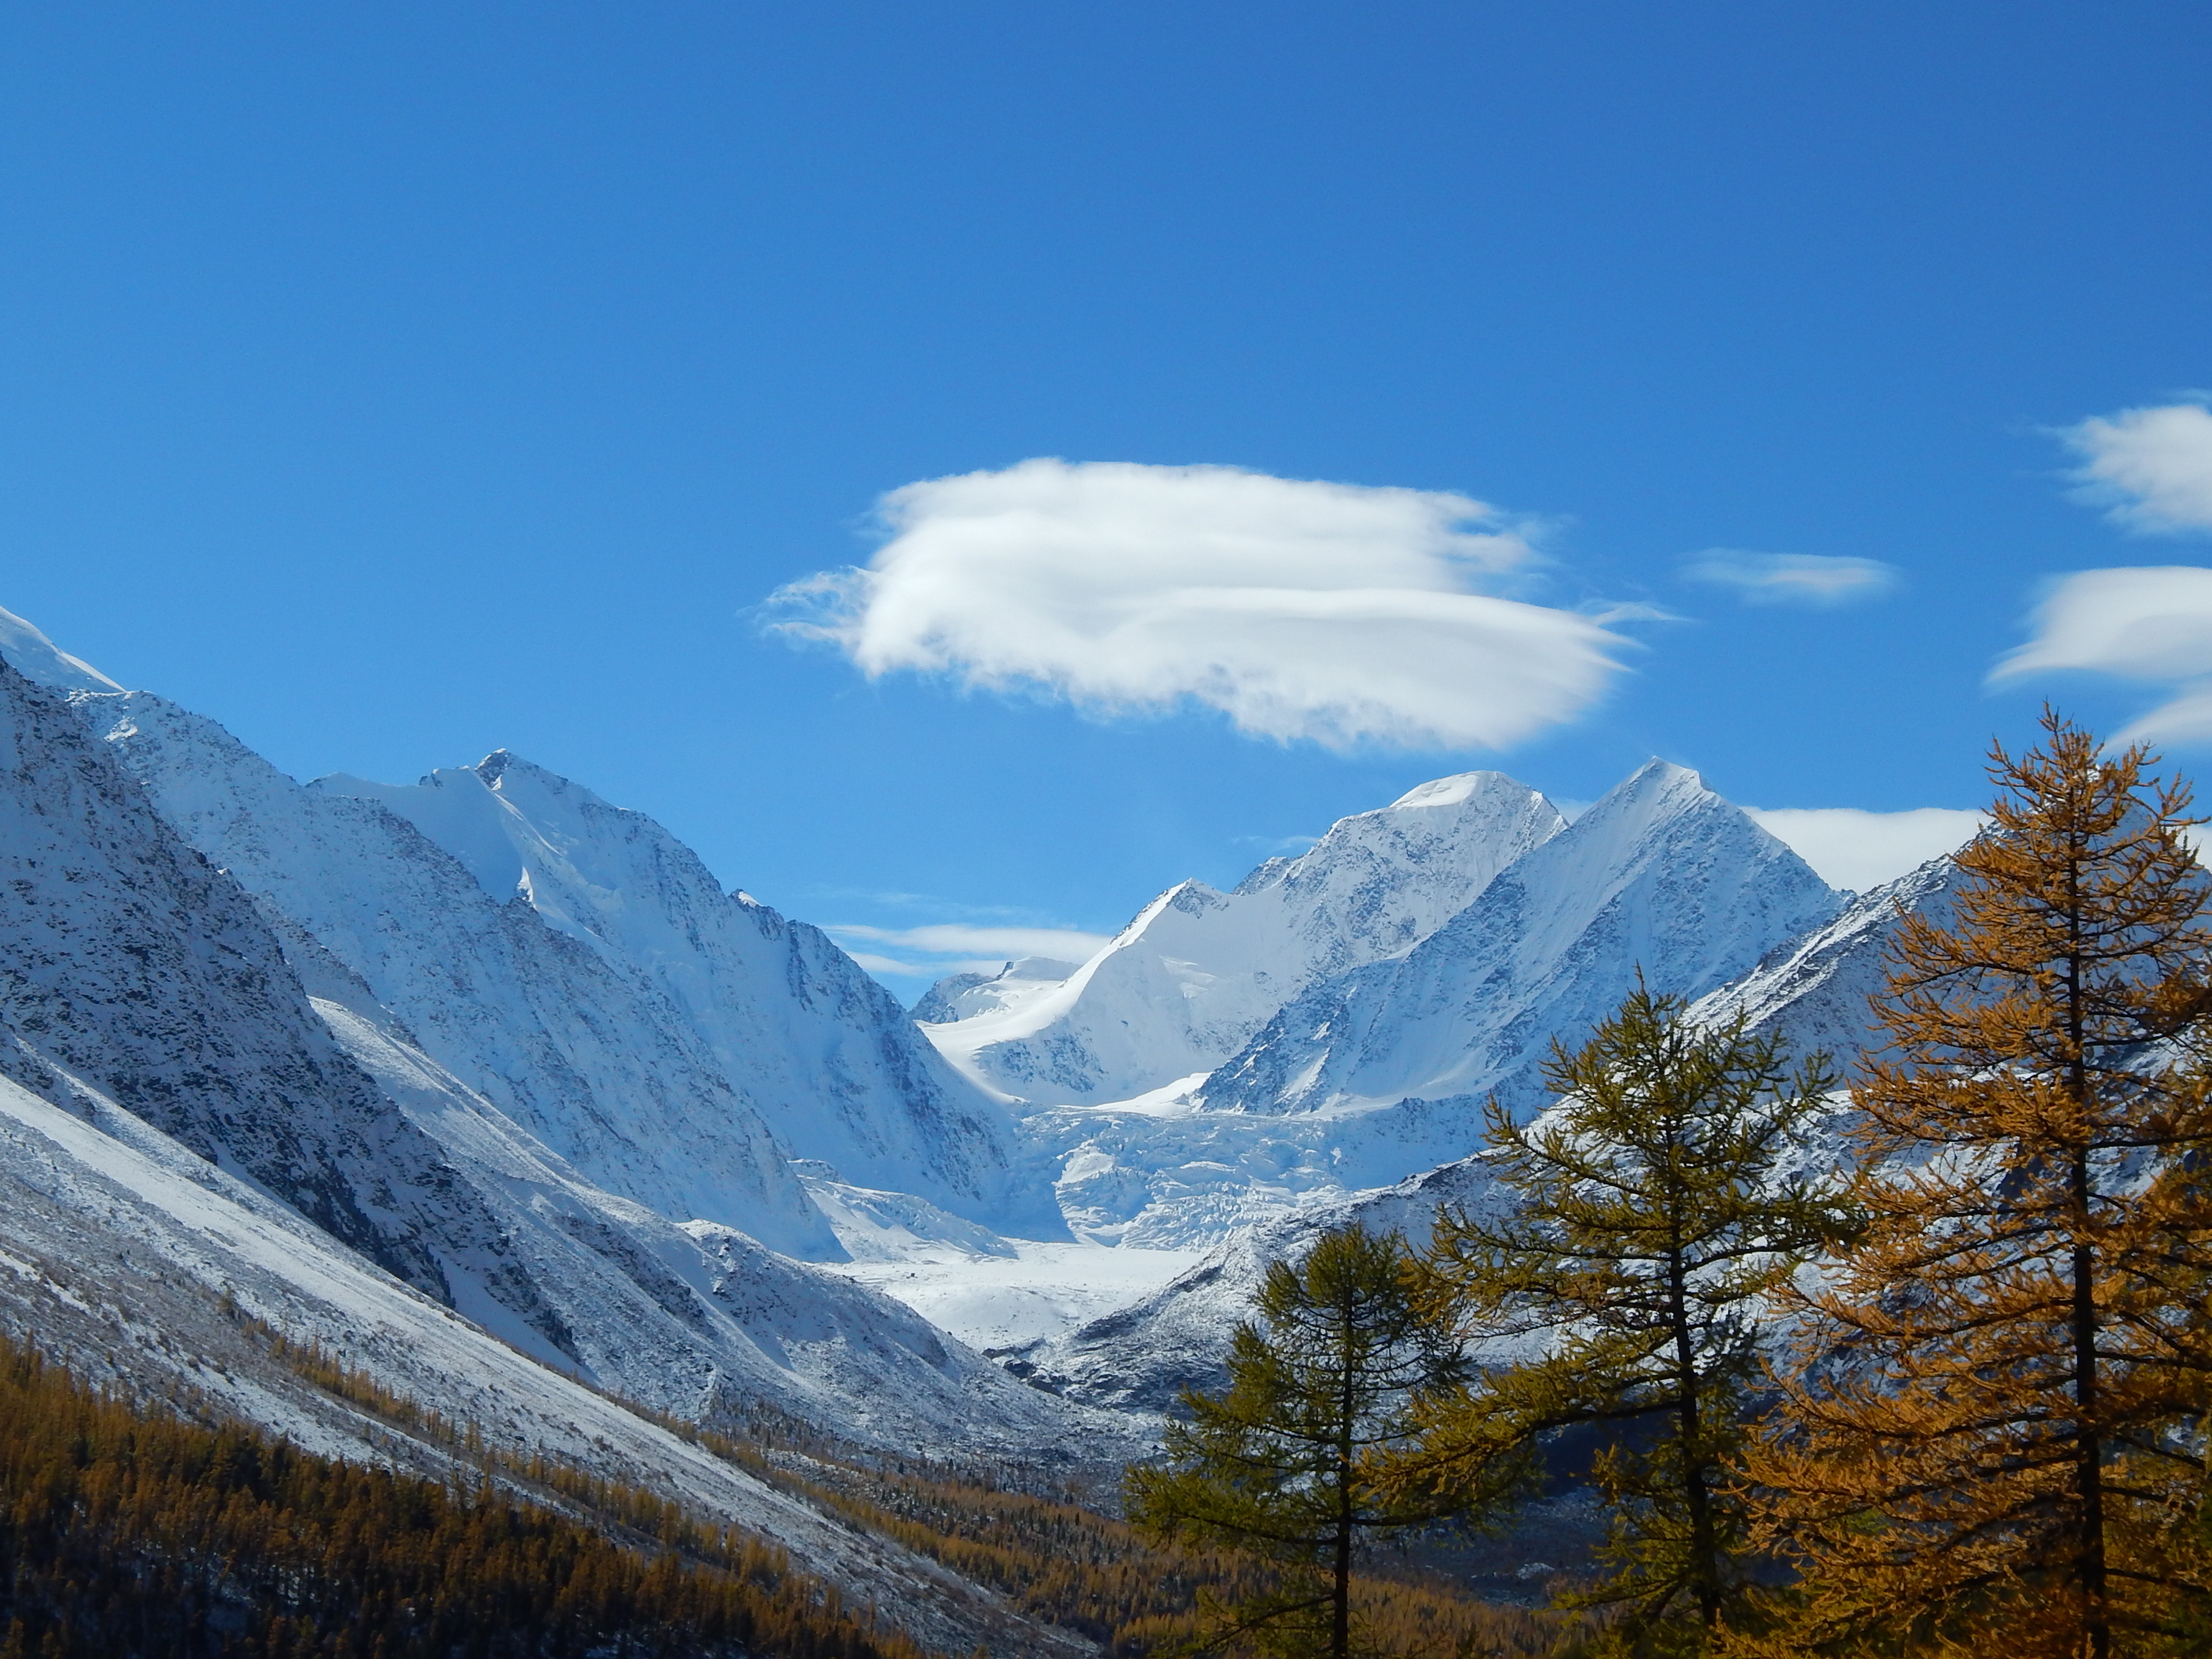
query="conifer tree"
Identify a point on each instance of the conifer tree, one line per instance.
(1649, 1220)
(1995, 1418)
(1282, 1463)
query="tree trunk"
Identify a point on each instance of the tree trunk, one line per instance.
(2089, 1449)
(1697, 1500)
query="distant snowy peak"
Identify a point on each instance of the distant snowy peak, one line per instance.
(1662, 875)
(963, 996)
(42, 662)
(1198, 971)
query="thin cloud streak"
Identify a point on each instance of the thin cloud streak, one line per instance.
(1061, 944)
(1337, 613)
(1795, 579)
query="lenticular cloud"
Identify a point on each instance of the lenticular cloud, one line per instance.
(1335, 612)
(2150, 623)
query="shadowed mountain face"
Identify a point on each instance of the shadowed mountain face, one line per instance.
(175, 1049)
(130, 968)
(579, 967)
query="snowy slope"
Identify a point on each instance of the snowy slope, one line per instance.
(131, 972)
(696, 1320)
(130, 968)
(1140, 1357)
(1661, 874)
(818, 1048)
(590, 1057)
(1197, 972)
(125, 1255)
(1813, 992)
(579, 966)
(960, 996)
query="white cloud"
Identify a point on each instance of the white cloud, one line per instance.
(2151, 468)
(1850, 847)
(930, 971)
(1803, 579)
(1337, 612)
(999, 945)
(2151, 623)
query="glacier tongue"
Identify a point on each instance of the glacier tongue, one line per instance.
(1197, 972)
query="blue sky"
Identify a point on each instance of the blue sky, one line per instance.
(396, 383)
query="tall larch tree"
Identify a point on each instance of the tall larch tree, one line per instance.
(1649, 1217)
(1993, 1426)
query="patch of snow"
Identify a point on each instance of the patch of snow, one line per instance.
(1037, 1291)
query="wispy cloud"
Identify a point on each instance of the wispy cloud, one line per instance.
(1798, 579)
(999, 944)
(2151, 623)
(1335, 612)
(1850, 847)
(2150, 468)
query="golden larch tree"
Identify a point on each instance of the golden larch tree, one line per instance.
(1993, 1423)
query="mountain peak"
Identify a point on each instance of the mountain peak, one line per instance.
(39, 660)
(1453, 790)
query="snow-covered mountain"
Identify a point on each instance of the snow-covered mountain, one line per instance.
(130, 968)
(1378, 1071)
(819, 1049)
(1197, 972)
(579, 967)
(961, 996)
(1812, 991)
(1662, 876)
(143, 992)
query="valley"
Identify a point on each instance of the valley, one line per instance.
(488, 1093)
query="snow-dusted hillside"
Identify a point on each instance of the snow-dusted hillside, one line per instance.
(1662, 876)
(1197, 972)
(578, 967)
(1812, 991)
(142, 991)
(592, 1060)
(127, 1256)
(818, 1048)
(130, 968)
